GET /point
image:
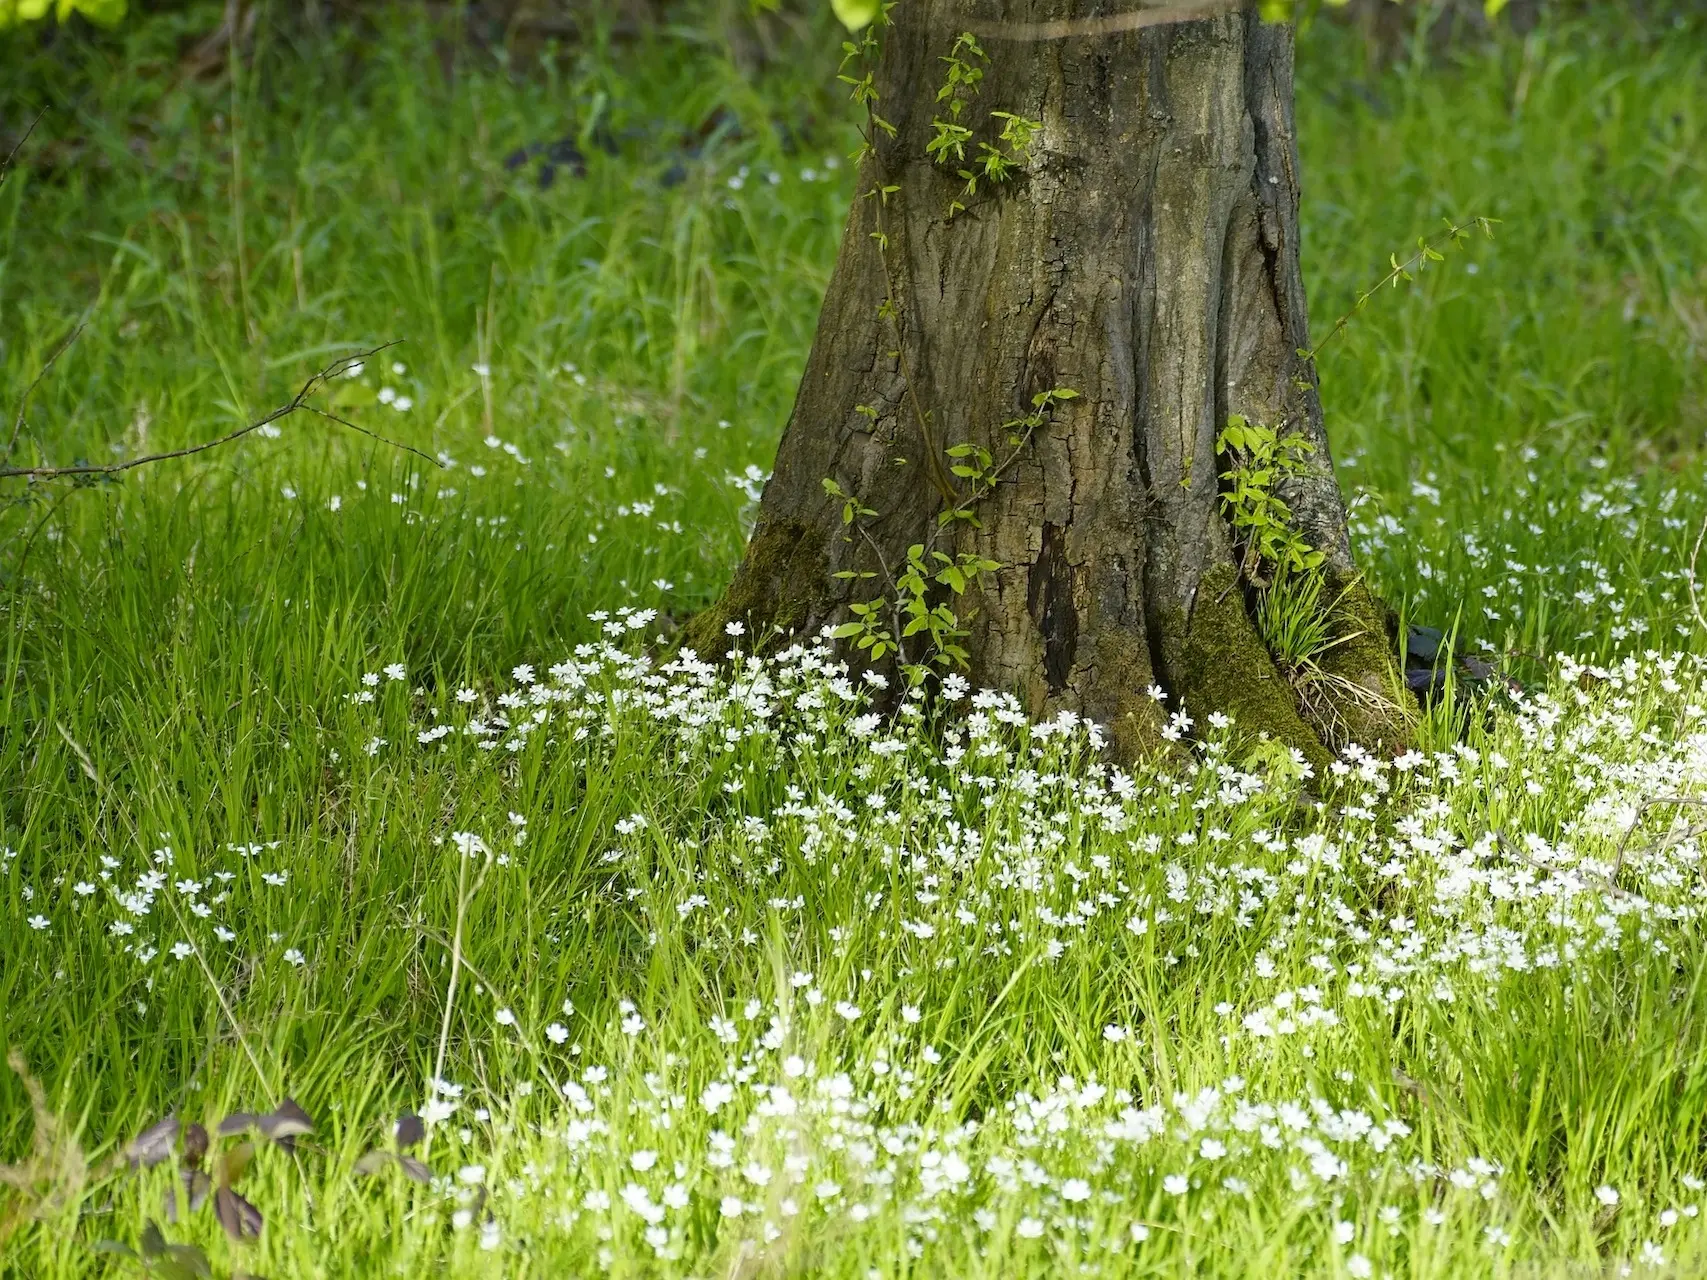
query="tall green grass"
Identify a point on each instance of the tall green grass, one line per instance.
(184, 649)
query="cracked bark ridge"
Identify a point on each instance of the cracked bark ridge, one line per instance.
(1147, 258)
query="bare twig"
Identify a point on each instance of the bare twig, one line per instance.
(297, 404)
(6, 166)
(892, 311)
(1605, 882)
(1427, 251)
(1641, 810)
(24, 404)
(1113, 24)
(1694, 556)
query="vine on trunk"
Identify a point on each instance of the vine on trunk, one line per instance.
(915, 606)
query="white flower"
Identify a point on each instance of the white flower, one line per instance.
(293, 956)
(756, 1173)
(1608, 1196)
(471, 1174)
(1176, 1184)
(505, 1018)
(1029, 1228)
(1113, 1034)
(730, 1206)
(716, 1095)
(910, 1014)
(1075, 1190)
(39, 922)
(641, 1161)
(1344, 1232)
(397, 671)
(794, 1066)
(1359, 1267)
(557, 1033)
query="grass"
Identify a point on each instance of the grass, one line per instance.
(1041, 964)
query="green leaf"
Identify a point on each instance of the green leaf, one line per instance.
(855, 15)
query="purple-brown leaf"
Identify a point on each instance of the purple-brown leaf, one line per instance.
(416, 1169)
(197, 1184)
(286, 1121)
(195, 1145)
(236, 1122)
(409, 1131)
(241, 1220)
(153, 1144)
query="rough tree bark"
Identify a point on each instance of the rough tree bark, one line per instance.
(1148, 259)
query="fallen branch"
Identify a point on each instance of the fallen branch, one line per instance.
(1641, 811)
(297, 404)
(24, 404)
(6, 167)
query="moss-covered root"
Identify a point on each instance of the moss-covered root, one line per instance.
(1372, 706)
(1224, 666)
(781, 586)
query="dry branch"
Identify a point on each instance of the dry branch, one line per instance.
(11, 156)
(299, 403)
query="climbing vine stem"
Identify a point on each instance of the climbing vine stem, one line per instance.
(916, 608)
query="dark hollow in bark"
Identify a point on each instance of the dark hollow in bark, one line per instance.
(1146, 258)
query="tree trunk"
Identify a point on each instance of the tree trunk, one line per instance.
(1145, 257)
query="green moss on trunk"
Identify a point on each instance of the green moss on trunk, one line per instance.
(1372, 705)
(782, 585)
(1224, 666)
